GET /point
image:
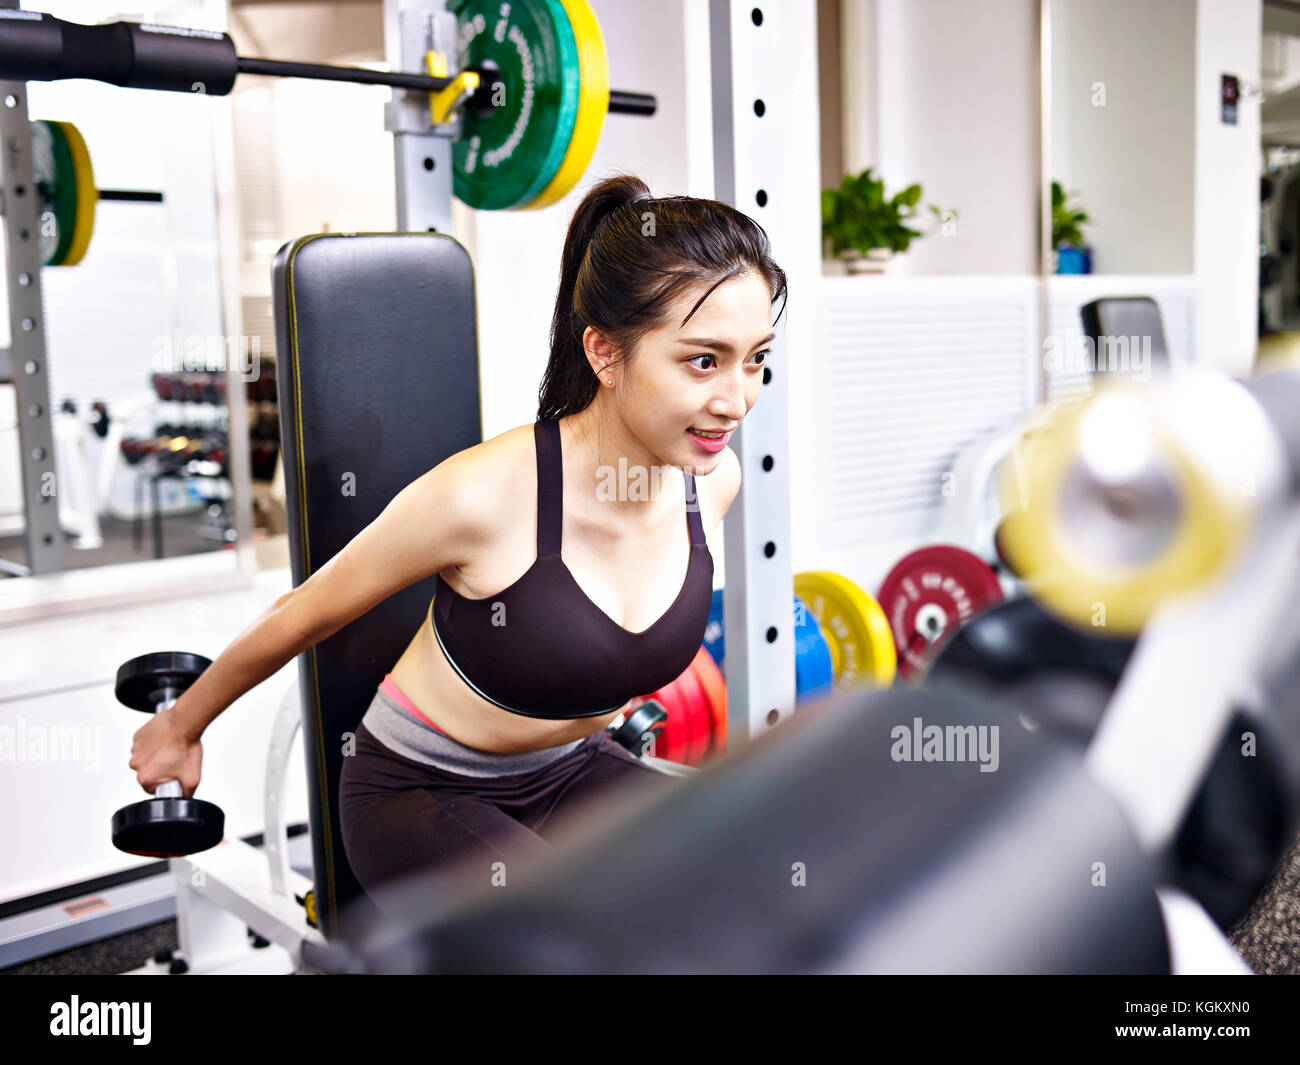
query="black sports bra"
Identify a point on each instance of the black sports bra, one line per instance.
(542, 648)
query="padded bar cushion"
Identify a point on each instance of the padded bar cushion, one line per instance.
(817, 849)
(377, 368)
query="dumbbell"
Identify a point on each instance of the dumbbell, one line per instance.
(101, 420)
(173, 445)
(629, 731)
(168, 825)
(264, 454)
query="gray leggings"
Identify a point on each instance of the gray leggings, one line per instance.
(399, 816)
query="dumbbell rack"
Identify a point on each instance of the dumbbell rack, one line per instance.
(184, 446)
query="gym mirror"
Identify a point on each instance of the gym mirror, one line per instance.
(148, 370)
(1122, 129)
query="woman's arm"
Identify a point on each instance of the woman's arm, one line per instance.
(435, 522)
(727, 478)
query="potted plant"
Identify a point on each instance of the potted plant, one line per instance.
(1072, 255)
(865, 227)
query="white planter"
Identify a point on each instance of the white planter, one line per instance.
(873, 262)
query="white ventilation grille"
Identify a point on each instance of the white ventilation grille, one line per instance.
(917, 369)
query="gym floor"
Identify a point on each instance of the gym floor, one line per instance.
(1268, 937)
(105, 957)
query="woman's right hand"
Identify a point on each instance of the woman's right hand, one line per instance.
(161, 751)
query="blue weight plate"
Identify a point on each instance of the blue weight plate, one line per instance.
(812, 655)
(813, 673)
(714, 638)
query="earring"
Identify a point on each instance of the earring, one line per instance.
(609, 380)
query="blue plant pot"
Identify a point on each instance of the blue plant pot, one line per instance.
(1070, 260)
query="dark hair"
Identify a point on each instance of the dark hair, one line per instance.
(621, 269)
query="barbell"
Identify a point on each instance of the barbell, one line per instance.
(66, 193)
(531, 96)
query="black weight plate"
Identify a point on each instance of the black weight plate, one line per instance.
(139, 678)
(168, 828)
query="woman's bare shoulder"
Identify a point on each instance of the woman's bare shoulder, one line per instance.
(490, 476)
(717, 491)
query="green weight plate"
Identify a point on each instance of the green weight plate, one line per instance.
(85, 194)
(56, 186)
(508, 154)
(593, 103)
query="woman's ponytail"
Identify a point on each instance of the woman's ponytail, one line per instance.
(568, 384)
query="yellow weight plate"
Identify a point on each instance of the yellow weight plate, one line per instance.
(1070, 577)
(855, 627)
(593, 103)
(87, 194)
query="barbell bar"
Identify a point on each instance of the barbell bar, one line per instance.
(522, 150)
(132, 55)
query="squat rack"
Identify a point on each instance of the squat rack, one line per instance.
(746, 54)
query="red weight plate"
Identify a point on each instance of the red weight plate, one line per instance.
(681, 738)
(715, 688)
(696, 704)
(928, 595)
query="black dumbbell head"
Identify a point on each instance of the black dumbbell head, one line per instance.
(168, 828)
(139, 679)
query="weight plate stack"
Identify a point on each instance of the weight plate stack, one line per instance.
(593, 103)
(510, 151)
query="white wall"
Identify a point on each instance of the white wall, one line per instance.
(1123, 128)
(944, 92)
(1227, 186)
(955, 107)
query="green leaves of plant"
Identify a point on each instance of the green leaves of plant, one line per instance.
(909, 197)
(1066, 219)
(859, 215)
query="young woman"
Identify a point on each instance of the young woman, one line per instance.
(572, 569)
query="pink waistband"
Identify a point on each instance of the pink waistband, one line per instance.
(405, 703)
